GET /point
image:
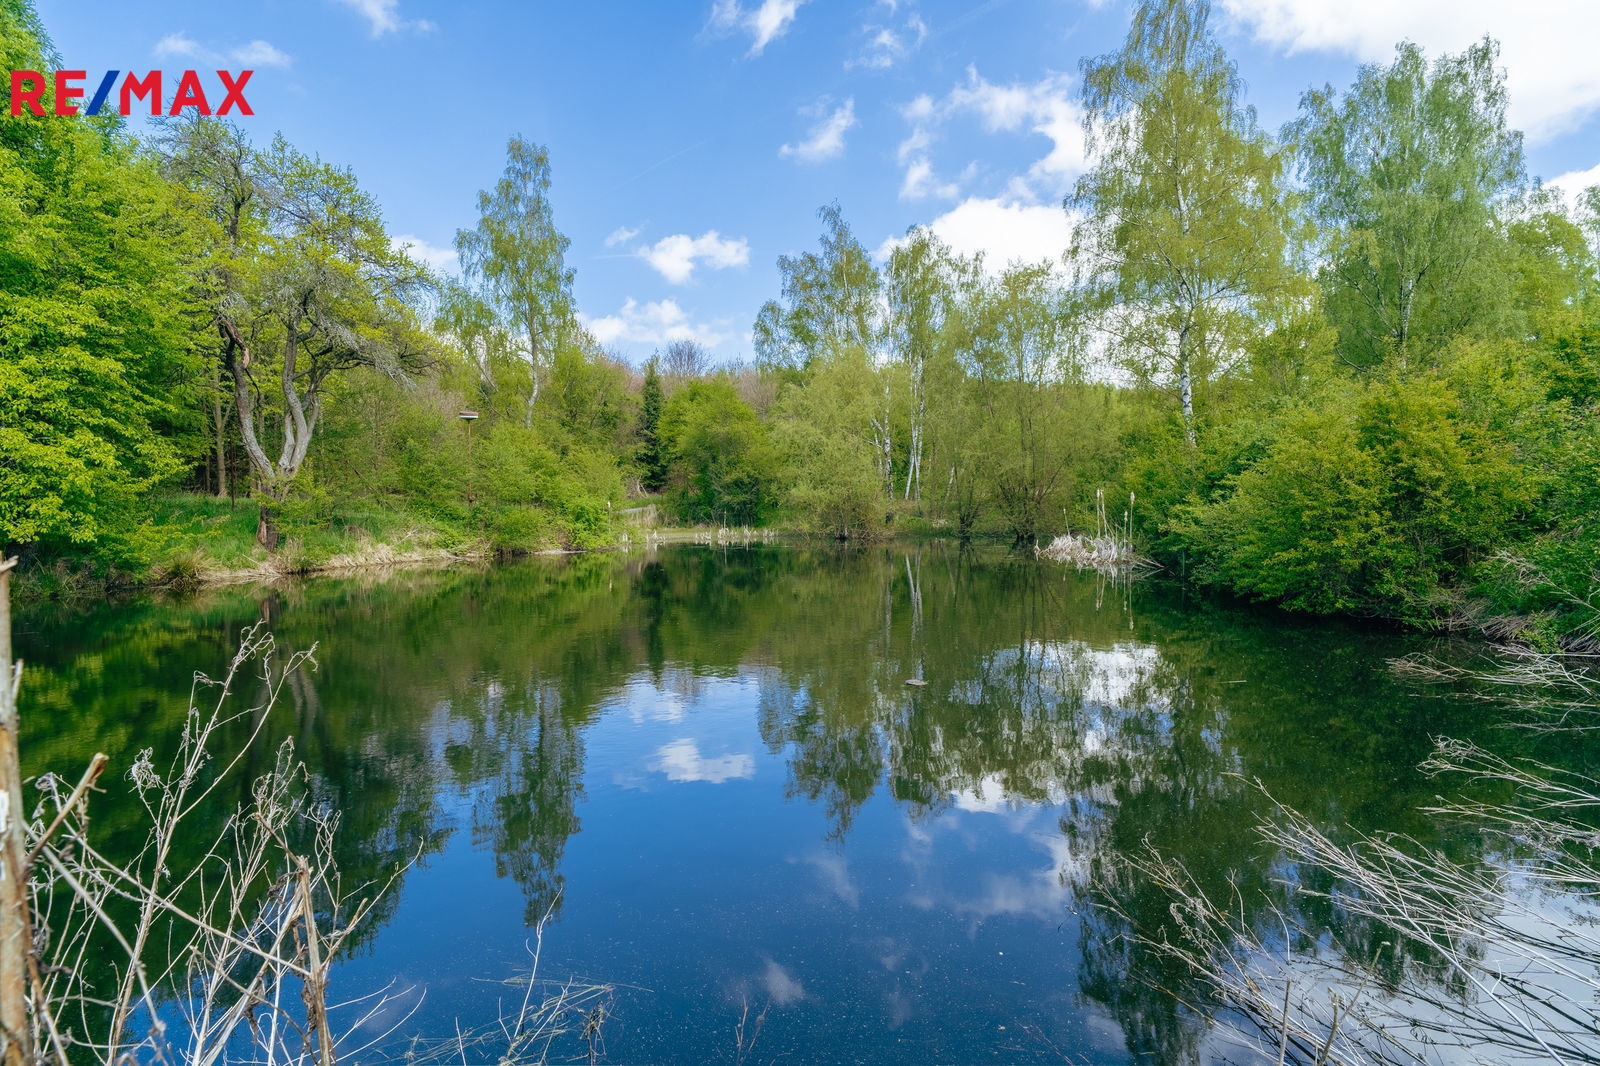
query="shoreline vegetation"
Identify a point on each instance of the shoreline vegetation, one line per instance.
(214, 544)
(1363, 381)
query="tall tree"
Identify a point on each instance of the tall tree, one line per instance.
(922, 282)
(683, 361)
(652, 463)
(832, 308)
(830, 301)
(1404, 172)
(1025, 353)
(487, 346)
(518, 257)
(97, 372)
(1184, 233)
(211, 165)
(301, 283)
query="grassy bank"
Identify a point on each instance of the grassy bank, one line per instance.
(193, 539)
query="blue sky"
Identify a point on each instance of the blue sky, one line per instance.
(692, 142)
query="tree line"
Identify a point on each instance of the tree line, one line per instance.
(1351, 365)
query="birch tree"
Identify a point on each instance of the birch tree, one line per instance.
(832, 308)
(922, 283)
(831, 301)
(518, 258)
(1404, 173)
(1184, 236)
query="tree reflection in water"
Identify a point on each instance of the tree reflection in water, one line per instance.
(469, 699)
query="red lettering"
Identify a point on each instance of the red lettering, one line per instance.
(66, 93)
(190, 94)
(20, 96)
(133, 87)
(235, 92)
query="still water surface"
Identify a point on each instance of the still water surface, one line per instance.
(708, 763)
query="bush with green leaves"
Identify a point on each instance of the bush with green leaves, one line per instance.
(1377, 500)
(834, 483)
(721, 466)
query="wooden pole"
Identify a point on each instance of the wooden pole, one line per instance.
(16, 939)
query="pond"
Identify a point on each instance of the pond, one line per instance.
(708, 766)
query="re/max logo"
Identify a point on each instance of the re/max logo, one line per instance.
(27, 86)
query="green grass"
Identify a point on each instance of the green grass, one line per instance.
(207, 537)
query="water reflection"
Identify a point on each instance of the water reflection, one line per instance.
(709, 763)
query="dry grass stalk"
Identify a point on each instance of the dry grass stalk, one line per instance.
(1551, 693)
(207, 959)
(1108, 550)
(525, 1036)
(1499, 959)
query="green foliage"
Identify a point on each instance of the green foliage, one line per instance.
(648, 453)
(96, 368)
(1552, 267)
(516, 468)
(1026, 361)
(1546, 401)
(1404, 172)
(720, 462)
(588, 394)
(1375, 500)
(830, 463)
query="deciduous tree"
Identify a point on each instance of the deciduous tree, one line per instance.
(1404, 173)
(1184, 237)
(518, 258)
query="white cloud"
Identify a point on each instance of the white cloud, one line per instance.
(655, 323)
(781, 986)
(1575, 182)
(179, 46)
(1045, 107)
(826, 139)
(620, 235)
(256, 53)
(383, 16)
(1004, 231)
(986, 796)
(675, 257)
(920, 182)
(1546, 46)
(834, 872)
(681, 761)
(887, 45)
(764, 23)
(259, 54)
(439, 260)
